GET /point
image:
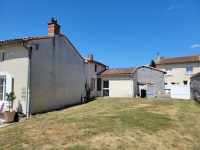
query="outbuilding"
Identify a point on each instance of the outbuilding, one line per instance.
(128, 82)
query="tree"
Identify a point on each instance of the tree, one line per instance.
(152, 64)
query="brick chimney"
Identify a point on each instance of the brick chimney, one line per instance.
(53, 27)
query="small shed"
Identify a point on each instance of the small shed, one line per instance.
(195, 87)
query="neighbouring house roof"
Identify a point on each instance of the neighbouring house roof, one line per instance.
(91, 60)
(126, 71)
(195, 75)
(180, 59)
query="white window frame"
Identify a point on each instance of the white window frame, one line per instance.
(189, 70)
(8, 86)
(4, 88)
(106, 88)
(169, 71)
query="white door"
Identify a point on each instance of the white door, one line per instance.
(150, 91)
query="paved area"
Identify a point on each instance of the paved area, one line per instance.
(163, 95)
(2, 124)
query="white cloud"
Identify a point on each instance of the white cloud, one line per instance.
(170, 7)
(195, 46)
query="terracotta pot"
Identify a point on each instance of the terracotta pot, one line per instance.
(9, 116)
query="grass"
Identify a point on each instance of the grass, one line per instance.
(110, 123)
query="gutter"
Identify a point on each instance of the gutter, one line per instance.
(29, 80)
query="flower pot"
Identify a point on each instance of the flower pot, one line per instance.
(9, 116)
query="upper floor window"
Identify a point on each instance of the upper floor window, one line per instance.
(169, 71)
(189, 70)
(1, 56)
(95, 68)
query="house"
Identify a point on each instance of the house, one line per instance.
(93, 67)
(45, 72)
(179, 69)
(126, 82)
(195, 86)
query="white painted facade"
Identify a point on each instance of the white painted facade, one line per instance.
(92, 73)
(14, 70)
(119, 86)
(178, 73)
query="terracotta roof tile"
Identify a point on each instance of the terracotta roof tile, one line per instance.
(17, 40)
(181, 59)
(122, 71)
(195, 75)
(118, 71)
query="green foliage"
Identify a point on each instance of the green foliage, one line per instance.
(152, 64)
(10, 97)
(87, 89)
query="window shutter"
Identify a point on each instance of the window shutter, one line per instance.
(92, 84)
(8, 83)
(98, 84)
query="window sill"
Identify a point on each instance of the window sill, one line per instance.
(188, 74)
(168, 75)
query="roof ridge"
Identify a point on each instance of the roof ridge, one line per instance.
(180, 56)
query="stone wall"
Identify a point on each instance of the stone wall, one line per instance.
(195, 88)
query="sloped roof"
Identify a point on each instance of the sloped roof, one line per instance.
(180, 59)
(118, 71)
(19, 40)
(24, 39)
(90, 60)
(127, 71)
(195, 75)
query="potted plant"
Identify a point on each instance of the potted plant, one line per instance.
(9, 116)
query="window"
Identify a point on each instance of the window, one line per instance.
(189, 70)
(169, 71)
(105, 84)
(185, 82)
(2, 88)
(1, 56)
(95, 68)
(105, 88)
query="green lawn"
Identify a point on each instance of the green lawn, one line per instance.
(110, 123)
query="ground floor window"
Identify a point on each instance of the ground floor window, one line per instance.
(105, 88)
(185, 82)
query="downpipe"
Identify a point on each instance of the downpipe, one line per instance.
(29, 80)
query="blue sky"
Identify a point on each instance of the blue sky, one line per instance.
(119, 33)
